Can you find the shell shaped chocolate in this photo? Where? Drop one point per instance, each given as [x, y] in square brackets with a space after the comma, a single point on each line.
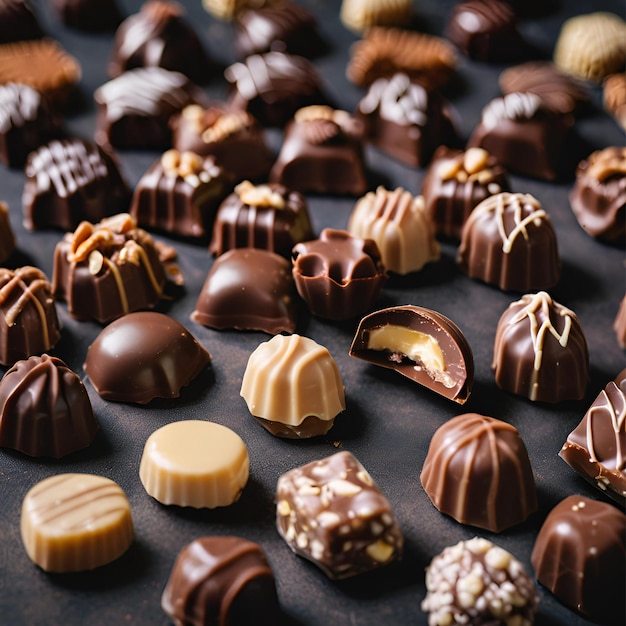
[45, 409]
[540, 350]
[508, 241]
[477, 471]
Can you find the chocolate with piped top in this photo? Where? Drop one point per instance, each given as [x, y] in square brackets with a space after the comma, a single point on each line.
[89, 15]
[540, 350]
[18, 22]
[423, 345]
[477, 471]
[222, 581]
[580, 556]
[332, 513]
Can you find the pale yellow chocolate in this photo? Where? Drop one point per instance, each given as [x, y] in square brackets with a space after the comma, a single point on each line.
[195, 463]
[75, 522]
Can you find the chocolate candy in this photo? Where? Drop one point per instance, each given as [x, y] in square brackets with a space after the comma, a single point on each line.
[228, 9]
[89, 15]
[598, 197]
[300, 369]
[221, 580]
[540, 350]
[180, 194]
[7, 237]
[404, 120]
[619, 324]
[18, 22]
[339, 276]
[269, 217]
[144, 355]
[45, 409]
[248, 289]
[596, 448]
[614, 97]
[71, 180]
[273, 86]
[360, 15]
[332, 513]
[423, 345]
[75, 522]
[477, 471]
[107, 269]
[159, 36]
[399, 224]
[194, 463]
[523, 134]
[234, 138]
[508, 241]
[28, 317]
[477, 582]
[580, 556]
[456, 182]
[321, 153]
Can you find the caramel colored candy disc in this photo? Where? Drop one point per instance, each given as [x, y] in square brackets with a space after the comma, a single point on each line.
[195, 463]
[75, 522]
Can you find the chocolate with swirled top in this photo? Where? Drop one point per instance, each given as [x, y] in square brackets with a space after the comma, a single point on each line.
[18, 22]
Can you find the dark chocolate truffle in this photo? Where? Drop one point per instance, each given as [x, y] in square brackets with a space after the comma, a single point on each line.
[142, 356]
[540, 350]
[45, 409]
[580, 556]
[89, 15]
[28, 317]
[71, 180]
[18, 22]
[508, 241]
[7, 237]
[339, 276]
[248, 289]
[477, 471]
[222, 581]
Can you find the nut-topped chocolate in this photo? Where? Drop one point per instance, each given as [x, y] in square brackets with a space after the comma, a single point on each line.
[540, 350]
[423, 345]
[339, 276]
[332, 513]
[477, 471]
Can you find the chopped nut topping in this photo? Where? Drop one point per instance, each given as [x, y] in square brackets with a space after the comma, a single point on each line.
[226, 125]
[181, 164]
[259, 195]
[96, 261]
[497, 558]
[475, 160]
[283, 508]
[606, 163]
[470, 165]
[343, 488]
[380, 551]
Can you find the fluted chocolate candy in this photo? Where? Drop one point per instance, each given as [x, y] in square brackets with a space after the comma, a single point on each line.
[422, 345]
[223, 581]
[580, 556]
[332, 513]
[540, 350]
[477, 471]
[45, 409]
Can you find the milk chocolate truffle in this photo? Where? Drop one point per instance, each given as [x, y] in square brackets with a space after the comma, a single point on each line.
[456, 182]
[360, 15]
[18, 22]
[614, 97]
[399, 224]
[234, 138]
[144, 355]
[194, 463]
[339, 276]
[45, 409]
[596, 448]
[598, 197]
[423, 345]
[619, 325]
[273, 86]
[75, 522]
[7, 237]
[248, 289]
[508, 241]
[107, 269]
[293, 387]
[580, 556]
[333, 514]
[321, 153]
[222, 581]
[269, 217]
[402, 119]
[89, 15]
[180, 193]
[477, 471]
[71, 180]
[159, 36]
[28, 317]
[477, 582]
[540, 350]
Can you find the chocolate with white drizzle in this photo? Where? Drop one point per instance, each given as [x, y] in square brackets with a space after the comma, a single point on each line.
[540, 350]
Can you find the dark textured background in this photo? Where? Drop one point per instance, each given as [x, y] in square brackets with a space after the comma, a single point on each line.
[389, 421]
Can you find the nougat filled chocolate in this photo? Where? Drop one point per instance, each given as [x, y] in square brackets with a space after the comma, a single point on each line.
[423, 345]
[332, 513]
